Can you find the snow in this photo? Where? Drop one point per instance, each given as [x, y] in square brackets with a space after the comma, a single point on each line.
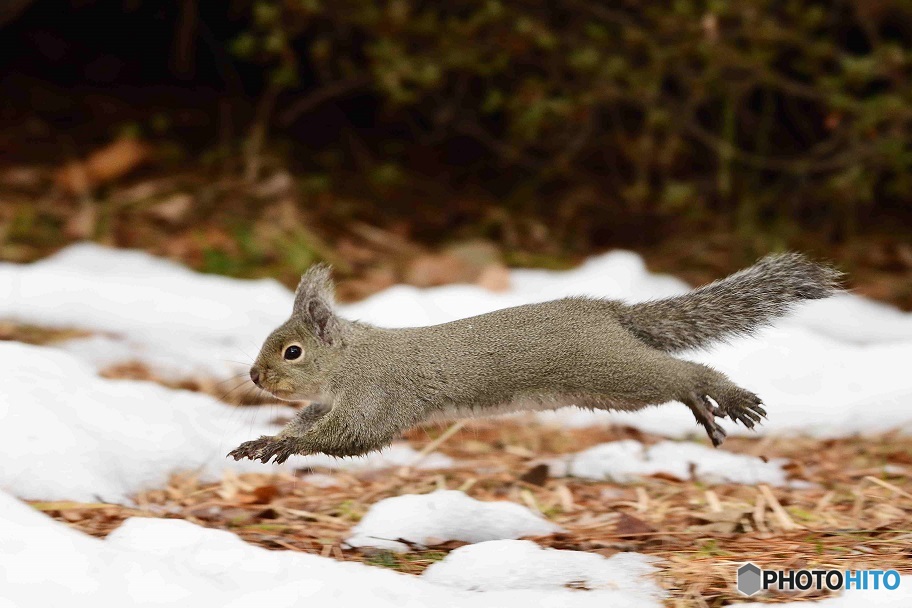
[167, 562]
[428, 519]
[505, 564]
[183, 321]
[68, 434]
[629, 460]
[394, 456]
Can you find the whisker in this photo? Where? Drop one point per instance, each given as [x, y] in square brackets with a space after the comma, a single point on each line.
[229, 379]
[224, 397]
[246, 354]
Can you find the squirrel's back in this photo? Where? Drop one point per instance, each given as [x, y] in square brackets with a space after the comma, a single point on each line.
[736, 305]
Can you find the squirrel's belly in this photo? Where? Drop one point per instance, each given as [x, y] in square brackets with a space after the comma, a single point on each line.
[520, 404]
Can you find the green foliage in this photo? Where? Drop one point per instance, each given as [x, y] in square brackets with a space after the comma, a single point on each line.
[673, 107]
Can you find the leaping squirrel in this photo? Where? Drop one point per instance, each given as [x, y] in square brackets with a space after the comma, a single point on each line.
[370, 384]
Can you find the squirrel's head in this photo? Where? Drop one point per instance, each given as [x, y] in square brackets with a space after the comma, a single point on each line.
[295, 358]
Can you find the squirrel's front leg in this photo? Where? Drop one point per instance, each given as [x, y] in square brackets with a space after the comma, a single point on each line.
[268, 446]
[350, 427]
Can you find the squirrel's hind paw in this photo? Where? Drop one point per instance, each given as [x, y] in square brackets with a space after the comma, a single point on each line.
[736, 403]
[264, 448]
[705, 413]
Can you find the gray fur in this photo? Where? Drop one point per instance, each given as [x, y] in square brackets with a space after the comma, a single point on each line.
[314, 301]
[734, 306]
[372, 383]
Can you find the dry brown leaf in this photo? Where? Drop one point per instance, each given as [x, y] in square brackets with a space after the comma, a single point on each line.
[628, 525]
[728, 514]
[536, 476]
[494, 277]
[173, 209]
[81, 225]
[431, 270]
[715, 528]
[104, 165]
[265, 494]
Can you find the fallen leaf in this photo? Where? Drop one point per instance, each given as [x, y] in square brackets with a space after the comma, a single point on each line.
[274, 186]
[731, 515]
[666, 477]
[537, 475]
[494, 277]
[628, 525]
[173, 209]
[104, 165]
[715, 529]
[432, 270]
[81, 225]
[265, 494]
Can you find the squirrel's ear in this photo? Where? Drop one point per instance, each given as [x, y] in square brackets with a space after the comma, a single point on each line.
[315, 284]
[314, 301]
[323, 321]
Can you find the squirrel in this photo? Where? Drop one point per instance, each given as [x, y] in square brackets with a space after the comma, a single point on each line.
[369, 384]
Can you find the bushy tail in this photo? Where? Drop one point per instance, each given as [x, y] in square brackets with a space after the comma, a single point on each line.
[733, 306]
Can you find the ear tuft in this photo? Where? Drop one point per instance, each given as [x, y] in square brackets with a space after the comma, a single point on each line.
[314, 301]
[315, 284]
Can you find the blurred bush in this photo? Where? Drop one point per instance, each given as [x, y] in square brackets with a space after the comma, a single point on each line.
[767, 108]
[591, 120]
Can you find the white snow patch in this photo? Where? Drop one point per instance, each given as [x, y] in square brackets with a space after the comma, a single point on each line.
[510, 564]
[321, 480]
[629, 460]
[426, 519]
[170, 562]
[67, 434]
[183, 322]
[396, 455]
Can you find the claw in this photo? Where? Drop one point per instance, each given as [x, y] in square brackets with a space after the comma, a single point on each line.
[739, 405]
[265, 448]
[250, 449]
[705, 413]
[745, 409]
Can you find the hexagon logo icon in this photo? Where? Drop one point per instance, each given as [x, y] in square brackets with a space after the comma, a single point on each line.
[749, 579]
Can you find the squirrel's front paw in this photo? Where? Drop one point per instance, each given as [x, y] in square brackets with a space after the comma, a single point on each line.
[251, 449]
[266, 447]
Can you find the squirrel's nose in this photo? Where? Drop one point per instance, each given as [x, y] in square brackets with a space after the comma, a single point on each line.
[255, 375]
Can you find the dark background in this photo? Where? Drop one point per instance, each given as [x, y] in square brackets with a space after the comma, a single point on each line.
[429, 141]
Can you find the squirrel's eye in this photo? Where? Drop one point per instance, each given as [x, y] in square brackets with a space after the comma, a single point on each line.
[293, 352]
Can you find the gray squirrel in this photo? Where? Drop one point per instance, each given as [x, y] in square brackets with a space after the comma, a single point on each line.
[370, 384]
